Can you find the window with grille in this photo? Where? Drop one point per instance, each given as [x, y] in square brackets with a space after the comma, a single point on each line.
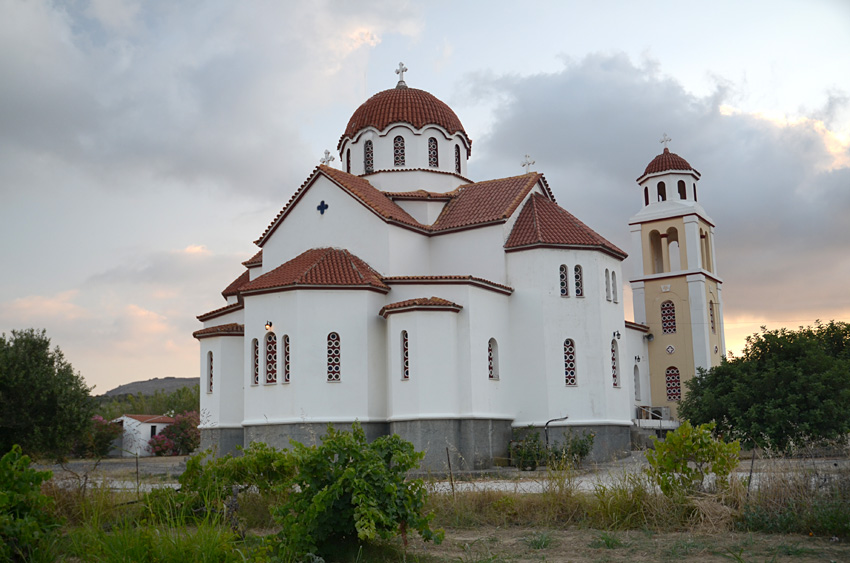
[614, 286]
[607, 285]
[209, 372]
[433, 156]
[405, 355]
[565, 282]
[271, 358]
[579, 281]
[457, 159]
[255, 361]
[368, 157]
[711, 317]
[668, 318]
[570, 362]
[398, 151]
[286, 365]
[615, 367]
[334, 363]
[493, 358]
[674, 384]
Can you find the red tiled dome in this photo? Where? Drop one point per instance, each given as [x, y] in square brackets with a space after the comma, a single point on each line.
[667, 161]
[402, 105]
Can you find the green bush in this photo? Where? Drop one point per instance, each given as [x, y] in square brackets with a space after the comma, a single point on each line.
[681, 462]
[26, 514]
[184, 433]
[527, 453]
[347, 488]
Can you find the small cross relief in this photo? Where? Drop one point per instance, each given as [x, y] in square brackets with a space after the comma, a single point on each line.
[327, 159]
[322, 207]
[665, 288]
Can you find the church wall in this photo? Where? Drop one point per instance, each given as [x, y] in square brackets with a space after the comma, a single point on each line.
[223, 406]
[478, 252]
[408, 254]
[637, 345]
[346, 223]
[234, 317]
[488, 316]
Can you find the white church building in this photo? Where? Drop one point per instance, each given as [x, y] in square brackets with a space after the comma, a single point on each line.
[398, 292]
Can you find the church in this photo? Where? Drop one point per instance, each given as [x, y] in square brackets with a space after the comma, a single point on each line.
[398, 292]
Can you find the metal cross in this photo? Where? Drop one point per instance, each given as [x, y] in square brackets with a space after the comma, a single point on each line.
[400, 71]
[527, 163]
[664, 140]
[328, 158]
[322, 206]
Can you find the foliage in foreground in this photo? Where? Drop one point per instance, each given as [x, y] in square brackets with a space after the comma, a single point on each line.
[26, 515]
[44, 405]
[787, 385]
[349, 488]
[180, 438]
[680, 464]
[528, 452]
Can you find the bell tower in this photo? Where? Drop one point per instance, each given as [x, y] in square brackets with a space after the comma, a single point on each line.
[678, 291]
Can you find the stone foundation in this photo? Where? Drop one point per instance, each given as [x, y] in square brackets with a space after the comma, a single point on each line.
[609, 441]
[472, 443]
[222, 440]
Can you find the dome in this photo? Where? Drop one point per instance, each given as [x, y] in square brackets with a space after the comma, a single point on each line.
[667, 161]
[403, 105]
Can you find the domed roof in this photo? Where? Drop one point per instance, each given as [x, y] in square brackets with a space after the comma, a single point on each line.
[667, 161]
[402, 105]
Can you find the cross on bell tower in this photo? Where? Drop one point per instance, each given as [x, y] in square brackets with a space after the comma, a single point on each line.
[664, 140]
[527, 164]
[400, 72]
[328, 158]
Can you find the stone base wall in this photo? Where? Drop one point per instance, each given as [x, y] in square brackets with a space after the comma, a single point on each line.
[609, 442]
[222, 440]
[308, 433]
[472, 443]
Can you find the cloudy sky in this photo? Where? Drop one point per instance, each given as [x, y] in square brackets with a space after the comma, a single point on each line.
[145, 145]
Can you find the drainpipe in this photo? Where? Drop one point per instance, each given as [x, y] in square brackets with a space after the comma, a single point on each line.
[546, 428]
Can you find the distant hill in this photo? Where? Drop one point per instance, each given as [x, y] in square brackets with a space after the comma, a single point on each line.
[151, 386]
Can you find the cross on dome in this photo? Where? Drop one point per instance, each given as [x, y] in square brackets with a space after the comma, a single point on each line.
[327, 159]
[527, 164]
[664, 140]
[400, 72]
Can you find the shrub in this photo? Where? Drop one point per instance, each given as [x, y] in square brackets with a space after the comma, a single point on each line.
[161, 445]
[681, 463]
[98, 438]
[184, 433]
[348, 488]
[528, 452]
[26, 514]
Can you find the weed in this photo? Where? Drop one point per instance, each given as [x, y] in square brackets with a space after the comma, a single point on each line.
[539, 540]
[606, 540]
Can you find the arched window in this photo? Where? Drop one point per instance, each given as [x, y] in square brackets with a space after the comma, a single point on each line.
[209, 372]
[637, 384]
[255, 361]
[615, 364]
[711, 316]
[368, 157]
[433, 156]
[607, 285]
[656, 256]
[398, 151]
[565, 282]
[286, 363]
[614, 286]
[683, 193]
[674, 384]
[334, 362]
[271, 358]
[493, 358]
[457, 159]
[570, 362]
[579, 281]
[673, 251]
[348, 161]
[405, 356]
[646, 196]
[668, 317]
[662, 192]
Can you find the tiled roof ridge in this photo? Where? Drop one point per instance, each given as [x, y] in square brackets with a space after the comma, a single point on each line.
[521, 195]
[420, 303]
[321, 258]
[220, 311]
[233, 287]
[421, 194]
[288, 203]
[228, 329]
[255, 260]
[667, 162]
[455, 174]
[448, 277]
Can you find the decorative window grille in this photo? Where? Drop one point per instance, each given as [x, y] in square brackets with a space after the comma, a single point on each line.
[333, 357]
[433, 156]
[398, 151]
[614, 286]
[493, 358]
[457, 159]
[607, 285]
[209, 372]
[368, 157]
[615, 371]
[565, 282]
[570, 362]
[405, 356]
[286, 365]
[348, 161]
[255, 361]
[579, 281]
[674, 384]
[271, 358]
[668, 318]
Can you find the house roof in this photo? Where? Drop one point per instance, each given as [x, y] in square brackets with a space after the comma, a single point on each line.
[220, 311]
[544, 223]
[665, 162]
[229, 329]
[151, 418]
[402, 105]
[319, 267]
[420, 304]
[233, 288]
[255, 260]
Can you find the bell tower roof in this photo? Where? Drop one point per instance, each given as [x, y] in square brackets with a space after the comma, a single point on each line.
[668, 162]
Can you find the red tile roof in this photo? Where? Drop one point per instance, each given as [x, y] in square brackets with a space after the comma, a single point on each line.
[485, 202]
[451, 280]
[637, 326]
[667, 161]
[420, 304]
[543, 223]
[402, 105]
[229, 329]
[419, 195]
[403, 170]
[255, 260]
[219, 312]
[149, 418]
[319, 267]
[233, 288]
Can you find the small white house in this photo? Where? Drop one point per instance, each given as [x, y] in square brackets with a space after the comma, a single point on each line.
[138, 429]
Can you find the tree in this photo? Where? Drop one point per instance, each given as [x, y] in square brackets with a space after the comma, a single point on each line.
[44, 405]
[787, 385]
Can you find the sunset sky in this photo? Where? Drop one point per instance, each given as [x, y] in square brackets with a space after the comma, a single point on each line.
[145, 145]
